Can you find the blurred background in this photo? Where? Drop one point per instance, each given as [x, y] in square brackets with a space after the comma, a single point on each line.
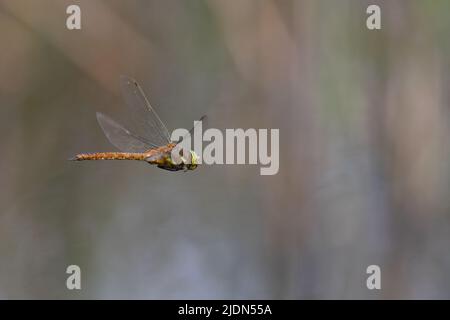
[364, 150]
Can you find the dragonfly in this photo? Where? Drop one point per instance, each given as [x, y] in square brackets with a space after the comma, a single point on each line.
[150, 141]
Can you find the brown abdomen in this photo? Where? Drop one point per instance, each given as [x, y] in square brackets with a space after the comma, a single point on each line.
[109, 156]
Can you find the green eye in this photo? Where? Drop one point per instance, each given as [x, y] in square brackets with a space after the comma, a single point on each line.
[194, 158]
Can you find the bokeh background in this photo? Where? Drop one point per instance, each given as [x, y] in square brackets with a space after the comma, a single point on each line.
[364, 151]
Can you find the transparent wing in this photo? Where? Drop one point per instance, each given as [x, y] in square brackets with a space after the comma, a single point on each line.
[202, 120]
[123, 139]
[147, 123]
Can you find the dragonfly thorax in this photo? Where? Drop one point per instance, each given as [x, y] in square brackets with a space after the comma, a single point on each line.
[189, 162]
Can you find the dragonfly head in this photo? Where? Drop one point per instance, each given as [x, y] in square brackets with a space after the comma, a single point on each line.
[194, 161]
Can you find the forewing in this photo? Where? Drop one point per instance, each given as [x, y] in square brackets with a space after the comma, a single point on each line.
[191, 132]
[147, 123]
[123, 139]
